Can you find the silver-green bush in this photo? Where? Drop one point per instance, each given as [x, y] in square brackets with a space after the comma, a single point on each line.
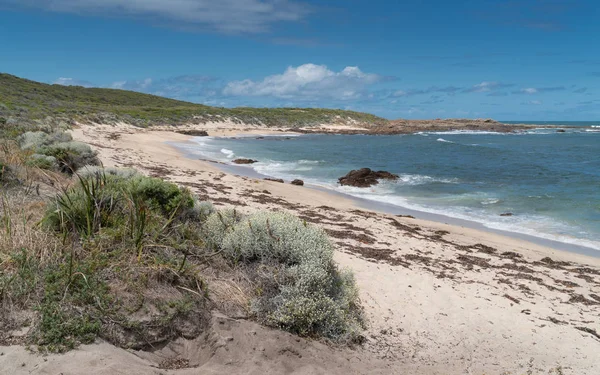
[202, 210]
[302, 289]
[218, 224]
[93, 170]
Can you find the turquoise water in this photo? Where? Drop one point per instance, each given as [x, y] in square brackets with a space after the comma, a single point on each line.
[549, 181]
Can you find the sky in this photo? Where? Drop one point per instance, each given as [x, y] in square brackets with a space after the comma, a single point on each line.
[502, 59]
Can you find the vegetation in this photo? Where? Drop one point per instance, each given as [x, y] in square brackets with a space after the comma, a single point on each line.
[88, 252]
[301, 289]
[137, 260]
[27, 102]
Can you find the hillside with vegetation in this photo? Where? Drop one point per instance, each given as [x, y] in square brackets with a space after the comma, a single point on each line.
[25, 101]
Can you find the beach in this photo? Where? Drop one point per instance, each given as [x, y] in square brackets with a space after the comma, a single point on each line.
[440, 299]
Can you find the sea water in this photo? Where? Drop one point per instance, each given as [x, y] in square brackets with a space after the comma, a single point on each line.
[548, 181]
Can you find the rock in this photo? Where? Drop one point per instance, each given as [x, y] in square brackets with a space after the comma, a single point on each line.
[274, 180]
[365, 177]
[561, 131]
[260, 137]
[298, 182]
[244, 161]
[507, 214]
[194, 133]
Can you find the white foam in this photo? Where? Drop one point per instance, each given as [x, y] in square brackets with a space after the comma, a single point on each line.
[463, 132]
[417, 179]
[532, 225]
[230, 154]
[443, 140]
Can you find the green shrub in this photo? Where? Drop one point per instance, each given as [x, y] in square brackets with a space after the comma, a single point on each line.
[42, 161]
[33, 140]
[71, 156]
[109, 201]
[93, 170]
[301, 288]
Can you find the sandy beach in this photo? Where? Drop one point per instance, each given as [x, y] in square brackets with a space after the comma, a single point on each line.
[440, 299]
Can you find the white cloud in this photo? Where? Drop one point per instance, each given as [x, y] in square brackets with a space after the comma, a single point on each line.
[529, 90]
[307, 81]
[64, 81]
[484, 86]
[229, 16]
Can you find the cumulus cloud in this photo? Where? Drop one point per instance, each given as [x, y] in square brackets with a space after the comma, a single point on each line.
[64, 81]
[308, 81]
[229, 16]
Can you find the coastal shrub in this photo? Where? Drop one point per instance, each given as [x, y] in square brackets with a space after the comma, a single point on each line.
[217, 225]
[71, 156]
[32, 140]
[42, 161]
[38, 139]
[93, 170]
[110, 201]
[202, 210]
[301, 288]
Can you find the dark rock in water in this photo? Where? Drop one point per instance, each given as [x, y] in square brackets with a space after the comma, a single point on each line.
[507, 214]
[260, 137]
[561, 131]
[298, 182]
[274, 179]
[244, 161]
[194, 133]
[365, 177]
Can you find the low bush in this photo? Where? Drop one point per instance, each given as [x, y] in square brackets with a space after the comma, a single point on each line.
[301, 288]
[92, 170]
[42, 161]
[71, 156]
[110, 201]
[68, 156]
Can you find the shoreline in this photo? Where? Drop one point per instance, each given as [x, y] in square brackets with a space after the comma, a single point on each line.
[439, 298]
[389, 208]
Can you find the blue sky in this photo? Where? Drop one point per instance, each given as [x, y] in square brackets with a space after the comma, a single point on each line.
[504, 59]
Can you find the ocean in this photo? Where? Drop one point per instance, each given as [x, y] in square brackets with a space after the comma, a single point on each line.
[548, 181]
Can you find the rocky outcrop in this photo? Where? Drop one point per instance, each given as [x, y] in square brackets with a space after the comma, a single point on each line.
[245, 161]
[194, 133]
[365, 177]
[298, 182]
